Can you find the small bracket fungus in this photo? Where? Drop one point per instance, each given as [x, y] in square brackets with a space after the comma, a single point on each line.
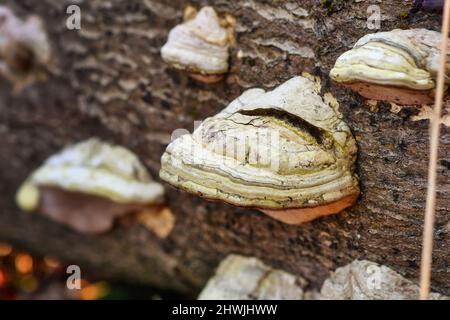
[88, 185]
[285, 152]
[366, 280]
[200, 45]
[24, 49]
[398, 66]
[160, 220]
[247, 278]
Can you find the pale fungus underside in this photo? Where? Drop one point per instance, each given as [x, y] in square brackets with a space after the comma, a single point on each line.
[398, 66]
[199, 46]
[24, 49]
[90, 184]
[285, 152]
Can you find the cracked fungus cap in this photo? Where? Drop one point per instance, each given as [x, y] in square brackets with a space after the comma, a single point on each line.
[399, 66]
[200, 46]
[88, 184]
[285, 152]
[24, 48]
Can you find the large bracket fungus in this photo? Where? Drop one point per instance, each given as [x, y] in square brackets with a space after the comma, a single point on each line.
[89, 184]
[24, 49]
[285, 152]
[200, 45]
[399, 66]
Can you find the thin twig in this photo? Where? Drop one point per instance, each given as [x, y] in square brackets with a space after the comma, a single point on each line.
[427, 246]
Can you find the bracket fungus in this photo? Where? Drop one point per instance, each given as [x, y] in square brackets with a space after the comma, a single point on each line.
[248, 278]
[200, 45]
[367, 280]
[24, 49]
[285, 152]
[90, 184]
[398, 66]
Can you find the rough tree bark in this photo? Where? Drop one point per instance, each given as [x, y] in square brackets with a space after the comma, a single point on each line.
[109, 81]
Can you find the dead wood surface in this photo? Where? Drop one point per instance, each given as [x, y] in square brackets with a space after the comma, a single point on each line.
[109, 81]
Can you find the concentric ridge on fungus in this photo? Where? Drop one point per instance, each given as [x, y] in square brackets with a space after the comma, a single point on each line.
[285, 151]
[200, 46]
[398, 66]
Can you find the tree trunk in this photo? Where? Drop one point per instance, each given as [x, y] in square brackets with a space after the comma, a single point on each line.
[109, 81]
